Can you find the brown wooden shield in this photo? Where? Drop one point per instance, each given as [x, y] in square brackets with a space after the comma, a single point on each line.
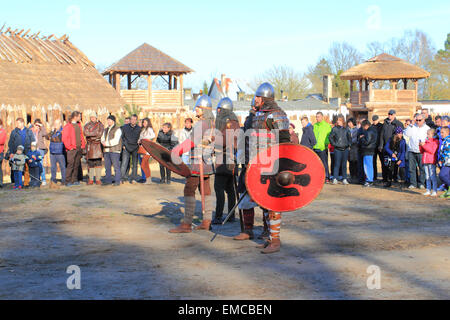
[285, 177]
[164, 157]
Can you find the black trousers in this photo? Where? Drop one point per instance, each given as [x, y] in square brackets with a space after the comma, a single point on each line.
[377, 155]
[73, 165]
[165, 173]
[224, 184]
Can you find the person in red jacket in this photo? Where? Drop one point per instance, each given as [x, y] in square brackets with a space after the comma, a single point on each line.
[72, 137]
[2, 149]
[429, 150]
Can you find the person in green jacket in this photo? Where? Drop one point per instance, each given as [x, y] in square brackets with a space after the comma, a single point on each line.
[322, 130]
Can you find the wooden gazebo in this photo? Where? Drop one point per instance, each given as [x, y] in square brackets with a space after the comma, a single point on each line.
[369, 101]
[147, 61]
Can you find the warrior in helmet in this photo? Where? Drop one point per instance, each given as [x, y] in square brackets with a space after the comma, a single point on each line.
[227, 124]
[199, 145]
[270, 126]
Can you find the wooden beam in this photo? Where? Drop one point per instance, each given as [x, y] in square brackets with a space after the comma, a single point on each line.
[181, 90]
[149, 89]
[129, 81]
[117, 82]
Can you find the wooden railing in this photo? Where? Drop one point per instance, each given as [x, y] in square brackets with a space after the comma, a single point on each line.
[377, 95]
[158, 97]
[136, 97]
[166, 98]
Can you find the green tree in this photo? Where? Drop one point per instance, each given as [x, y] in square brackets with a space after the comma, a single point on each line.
[315, 74]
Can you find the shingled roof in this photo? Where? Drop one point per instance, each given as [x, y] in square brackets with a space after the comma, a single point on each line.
[384, 67]
[48, 70]
[148, 59]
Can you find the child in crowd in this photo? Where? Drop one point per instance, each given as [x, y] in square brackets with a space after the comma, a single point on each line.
[395, 150]
[17, 166]
[429, 150]
[444, 160]
[35, 165]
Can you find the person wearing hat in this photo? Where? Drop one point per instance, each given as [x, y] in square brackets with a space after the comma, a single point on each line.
[268, 118]
[227, 123]
[294, 135]
[378, 154]
[17, 162]
[93, 131]
[200, 145]
[387, 131]
[112, 142]
[35, 165]
[395, 160]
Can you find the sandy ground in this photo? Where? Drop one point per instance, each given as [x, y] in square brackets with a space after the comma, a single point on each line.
[118, 237]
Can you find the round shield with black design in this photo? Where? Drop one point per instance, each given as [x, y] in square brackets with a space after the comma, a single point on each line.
[164, 157]
[285, 177]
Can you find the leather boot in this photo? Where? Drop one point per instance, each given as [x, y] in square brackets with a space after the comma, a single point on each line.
[246, 235]
[186, 223]
[205, 225]
[207, 217]
[274, 246]
[182, 228]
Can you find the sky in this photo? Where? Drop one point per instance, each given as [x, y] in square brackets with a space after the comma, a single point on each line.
[238, 38]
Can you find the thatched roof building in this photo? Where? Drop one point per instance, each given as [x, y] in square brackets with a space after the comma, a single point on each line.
[44, 71]
[366, 99]
[385, 67]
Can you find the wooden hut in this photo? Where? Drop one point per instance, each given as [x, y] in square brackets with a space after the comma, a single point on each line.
[40, 71]
[366, 100]
[147, 61]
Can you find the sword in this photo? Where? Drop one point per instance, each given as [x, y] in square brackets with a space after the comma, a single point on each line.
[241, 219]
[230, 214]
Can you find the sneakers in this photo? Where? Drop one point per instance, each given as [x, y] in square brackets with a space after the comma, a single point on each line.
[44, 183]
[421, 187]
[411, 187]
[368, 185]
[427, 193]
[434, 194]
[335, 182]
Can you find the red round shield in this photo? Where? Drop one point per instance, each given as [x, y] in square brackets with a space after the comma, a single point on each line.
[285, 177]
[164, 157]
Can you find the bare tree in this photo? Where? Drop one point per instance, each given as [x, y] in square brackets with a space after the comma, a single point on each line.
[286, 79]
[343, 56]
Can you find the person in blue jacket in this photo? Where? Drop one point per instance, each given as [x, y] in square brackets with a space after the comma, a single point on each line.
[395, 150]
[34, 164]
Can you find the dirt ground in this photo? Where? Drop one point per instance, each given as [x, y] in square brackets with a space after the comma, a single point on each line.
[118, 237]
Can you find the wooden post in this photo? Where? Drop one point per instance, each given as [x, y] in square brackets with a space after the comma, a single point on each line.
[170, 82]
[149, 89]
[181, 90]
[416, 85]
[371, 93]
[405, 84]
[129, 81]
[117, 81]
[360, 92]
[394, 90]
[175, 83]
[110, 79]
